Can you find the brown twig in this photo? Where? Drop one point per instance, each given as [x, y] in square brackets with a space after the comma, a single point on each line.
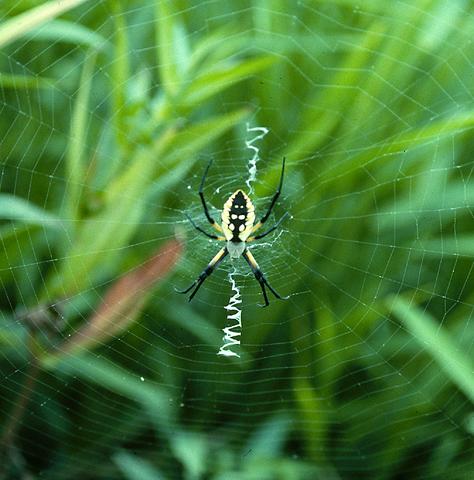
[124, 299]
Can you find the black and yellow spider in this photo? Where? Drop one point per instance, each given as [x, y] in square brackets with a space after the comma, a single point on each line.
[238, 217]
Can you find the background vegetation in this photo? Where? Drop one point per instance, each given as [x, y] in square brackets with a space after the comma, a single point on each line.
[110, 110]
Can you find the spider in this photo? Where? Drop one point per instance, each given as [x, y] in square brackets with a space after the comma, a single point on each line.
[238, 217]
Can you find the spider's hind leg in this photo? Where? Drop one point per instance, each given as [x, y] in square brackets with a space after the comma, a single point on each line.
[260, 277]
[211, 266]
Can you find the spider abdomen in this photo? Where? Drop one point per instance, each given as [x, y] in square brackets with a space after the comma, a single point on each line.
[235, 249]
[238, 216]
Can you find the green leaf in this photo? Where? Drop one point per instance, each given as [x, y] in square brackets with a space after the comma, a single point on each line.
[426, 134]
[443, 18]
[12, 333]
[135, 468]
[172, 45]
[20, 25]
[120, 73]
[194, 138]
[99, 239]
[438, 343]
[363, 5]
[454, 200]
[459, 246]
[20, 210]
[213, 82]
[15, 245]
[24, 81]
[218, 46]
[192, 450]
[105, 374]
[312, 412]
[318, 118]
[268, 440]
[75, 161]
[67, 32]
[198, 326]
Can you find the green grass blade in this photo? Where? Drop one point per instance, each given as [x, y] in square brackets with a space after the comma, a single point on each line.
[20, 210]
[218, 45]
[459, 246]
[198, 136]
[313, 412]
[120, 74]
[318, 119]
[268, 440]
[438, 343]
[99, 240]
[67, 32]
[135, 468]
[211, 83]
[129, 425]
[24, 81]
[454, 200]
[107, 375]
[75, 161]
[429, 133]
[20, 25]
[192, 450]
[15, 242]
[172, 45]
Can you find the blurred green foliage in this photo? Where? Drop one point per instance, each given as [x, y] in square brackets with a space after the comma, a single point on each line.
[108, 110]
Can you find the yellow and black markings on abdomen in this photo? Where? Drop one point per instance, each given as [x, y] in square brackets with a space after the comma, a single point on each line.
[238, 216]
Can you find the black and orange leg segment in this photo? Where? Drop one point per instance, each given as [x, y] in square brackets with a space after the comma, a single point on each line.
[270, 230]
[260, 277]
[211, 266]
[199, 229]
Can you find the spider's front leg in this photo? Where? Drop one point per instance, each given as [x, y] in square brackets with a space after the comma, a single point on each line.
[199, 229]
[272, 204]
[270, 230]
[205, 273]
[214, 224]
[261, 278]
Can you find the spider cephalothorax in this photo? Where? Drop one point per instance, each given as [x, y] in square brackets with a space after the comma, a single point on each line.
[238, 217]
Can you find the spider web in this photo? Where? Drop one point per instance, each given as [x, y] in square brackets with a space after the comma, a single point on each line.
[366, 370]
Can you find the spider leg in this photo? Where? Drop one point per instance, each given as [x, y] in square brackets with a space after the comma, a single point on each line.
[203, 200]
[261, 277]
[274, 199]
[199, 229]
[221, 254]
[270, 230]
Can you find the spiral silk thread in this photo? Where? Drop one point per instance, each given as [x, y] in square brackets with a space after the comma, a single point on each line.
[261, 132]
[234, 314]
